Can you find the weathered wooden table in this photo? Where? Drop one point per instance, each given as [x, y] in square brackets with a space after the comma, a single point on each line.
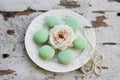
[16, 15]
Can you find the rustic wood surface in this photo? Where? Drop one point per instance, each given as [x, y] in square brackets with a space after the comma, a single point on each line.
[15, 17]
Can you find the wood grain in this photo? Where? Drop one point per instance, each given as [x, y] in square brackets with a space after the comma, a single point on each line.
[16, 15]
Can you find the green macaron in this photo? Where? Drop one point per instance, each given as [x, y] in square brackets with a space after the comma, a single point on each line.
[73, 22]
[65, 56]
[41, 36]
[80, 43]
[46, 52]
[53, 20]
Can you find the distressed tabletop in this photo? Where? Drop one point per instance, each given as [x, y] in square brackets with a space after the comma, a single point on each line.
[15, 17]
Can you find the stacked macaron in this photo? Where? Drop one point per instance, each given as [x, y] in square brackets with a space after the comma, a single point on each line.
[47, 52]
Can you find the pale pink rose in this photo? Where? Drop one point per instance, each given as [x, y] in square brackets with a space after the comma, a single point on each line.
[61, 37]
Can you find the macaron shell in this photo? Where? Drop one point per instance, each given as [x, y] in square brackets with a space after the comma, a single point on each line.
[46, 52]
[80, 43]
[73, 22]
[39, 38]
[53, 20]
[65, 56]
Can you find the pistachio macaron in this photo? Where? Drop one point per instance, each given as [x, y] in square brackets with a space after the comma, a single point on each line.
[65, 56]
[53, 20]
[46, 52]
[80, 43]
[41, 36]
[73, 22]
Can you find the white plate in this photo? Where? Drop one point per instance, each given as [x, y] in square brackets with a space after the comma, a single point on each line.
[53, 65]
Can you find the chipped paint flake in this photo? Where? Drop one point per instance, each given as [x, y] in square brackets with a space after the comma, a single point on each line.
[99, 22]
[12, 14]
[101, 12]
[10, 32]
[109, 43]
[6, 72]
[69, 3]
[114, 0]
[104, 67]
